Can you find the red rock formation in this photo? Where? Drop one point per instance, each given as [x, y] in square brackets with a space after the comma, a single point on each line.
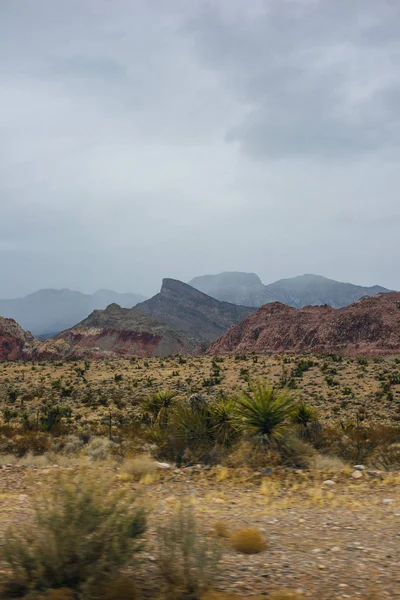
[370, 326]
[15, 343]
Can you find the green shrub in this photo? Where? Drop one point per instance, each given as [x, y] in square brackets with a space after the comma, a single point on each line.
[187, 559]
[82, 530]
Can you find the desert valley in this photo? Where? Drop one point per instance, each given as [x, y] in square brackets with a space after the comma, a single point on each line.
[272, 430]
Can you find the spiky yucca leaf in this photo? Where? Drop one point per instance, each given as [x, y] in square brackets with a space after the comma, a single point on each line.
[264, 411]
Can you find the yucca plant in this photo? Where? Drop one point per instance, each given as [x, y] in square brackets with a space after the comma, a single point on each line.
[306, 420]
[224, 424]
[159, 406]
[304, 414]
[264, 411]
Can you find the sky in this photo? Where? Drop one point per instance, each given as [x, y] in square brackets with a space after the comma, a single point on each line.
[142, 139]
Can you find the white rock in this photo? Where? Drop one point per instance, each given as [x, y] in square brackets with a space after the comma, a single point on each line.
[328, 482]
[162, 465]
[359, 467]
[356, 474]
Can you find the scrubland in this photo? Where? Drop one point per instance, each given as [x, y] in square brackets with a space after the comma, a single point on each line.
[201, 478]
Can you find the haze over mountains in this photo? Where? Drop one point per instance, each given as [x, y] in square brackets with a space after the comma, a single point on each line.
[202, 311]
[305, 290]
[47, 312]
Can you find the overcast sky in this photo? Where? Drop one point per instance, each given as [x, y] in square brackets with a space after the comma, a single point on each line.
[142, 139]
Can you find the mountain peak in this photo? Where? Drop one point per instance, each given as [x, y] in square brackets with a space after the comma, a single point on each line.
[173, 285]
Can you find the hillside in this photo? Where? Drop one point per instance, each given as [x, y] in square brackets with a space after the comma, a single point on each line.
[187, 310]
[305, 290]
[116, 332]
[370, 326]
[47, 312]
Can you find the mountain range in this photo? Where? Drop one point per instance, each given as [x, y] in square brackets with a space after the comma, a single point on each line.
[177, 319]
[47, 312]
[305, 290]
[368, 327]
[181, 319]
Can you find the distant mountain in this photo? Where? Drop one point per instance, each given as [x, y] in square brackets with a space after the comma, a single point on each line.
[368, 327]
[305, 290]
[47, 312]
[234, 287]
[192, 312]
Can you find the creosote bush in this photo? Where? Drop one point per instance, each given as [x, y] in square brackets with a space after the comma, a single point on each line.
[83, 530]
[187, 558]
[248, 541]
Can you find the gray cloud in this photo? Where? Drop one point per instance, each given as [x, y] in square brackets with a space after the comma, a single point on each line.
[150, 138]
[319, 78]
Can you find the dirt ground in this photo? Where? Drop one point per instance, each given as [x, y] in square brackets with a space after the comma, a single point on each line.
[331, 541]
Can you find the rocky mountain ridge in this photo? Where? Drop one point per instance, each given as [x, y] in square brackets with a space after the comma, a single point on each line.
[368, 327]
[188, 310]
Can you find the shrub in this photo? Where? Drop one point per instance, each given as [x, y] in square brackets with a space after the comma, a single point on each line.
[264, 413]
[82, 530]
[140, 465]
[99, 448]
[188, 561]
[387, 458]
[222, 530]
[248, 541]
[294, 452]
